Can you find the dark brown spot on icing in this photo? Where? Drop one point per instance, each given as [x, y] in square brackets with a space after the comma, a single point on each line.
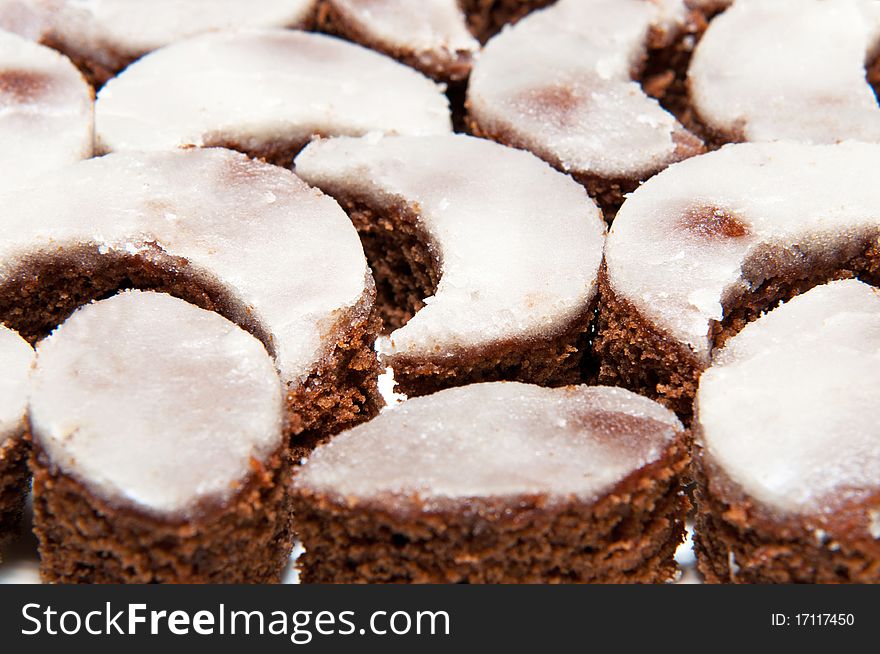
[23, 86]
[557, 103]
[712, 223]
[621, 430]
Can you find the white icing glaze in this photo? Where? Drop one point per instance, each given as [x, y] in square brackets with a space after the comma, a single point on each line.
[788, 408]
[107, 29]
[150, 400]
[16, 357]
[288, 255]
[778, 204]
[263, 87]
[495, 440]
[559, 83]
[789, 70]
[46, 111]
[433, 31]
[519, 243]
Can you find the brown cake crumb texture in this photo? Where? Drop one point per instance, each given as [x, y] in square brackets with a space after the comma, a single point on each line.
[739, 541]
[628, 536]
[637, 355]
[14, 477]
[487, 17]
[87, 539]
[44, 291]
[407, 270]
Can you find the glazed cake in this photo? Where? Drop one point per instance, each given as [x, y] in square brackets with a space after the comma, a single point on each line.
[498, 483]
[46, 111]
[561, 83]
[243, 238]
[265, 93]
[104, 36]
[789, 490]
[485, 257]
[16, 357]
[709, 244]
[788, 70]
[431, 36]
[158, 448]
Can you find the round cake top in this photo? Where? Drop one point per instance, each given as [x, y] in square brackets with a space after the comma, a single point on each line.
[258, 88]
[106, 29]
[46, 111]
[501, 440]
[789, 70]
[519, 243]
[809, 373]
[285, 258]
[434, 32]
[714, 227]
[16, 357]
[150, 400]
[560, 83]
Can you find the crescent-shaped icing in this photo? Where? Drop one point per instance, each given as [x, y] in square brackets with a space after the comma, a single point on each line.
[431, 35]
[248, 238]
[714, 228]
[157, 403]
[788, 409]
[560, 83]
[518, 244]
[263, 91]
[789, 70]
[46, 111]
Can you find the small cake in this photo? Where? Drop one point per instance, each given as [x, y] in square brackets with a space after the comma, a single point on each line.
[485, 257]
[711, 243]
[46, 111]
[16, 357]
[561, 84]
[243, 238]
[498, 483]
[788, 70]
[431, 36]
[789, 457]
[265, 93]
[487, 17]
[104, 36]
[158, 448]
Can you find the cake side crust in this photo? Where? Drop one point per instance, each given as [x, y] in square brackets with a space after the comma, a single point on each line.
[627, 536]
[84, 538]
[14, 477]
[737, 540]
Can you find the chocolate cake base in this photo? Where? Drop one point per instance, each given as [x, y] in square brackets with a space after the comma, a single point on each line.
[14, 478]
[406, 272]
[637, 355]
[487, 17]
[86, 539]
[628, 536]
[340, 393]
[738, 541]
